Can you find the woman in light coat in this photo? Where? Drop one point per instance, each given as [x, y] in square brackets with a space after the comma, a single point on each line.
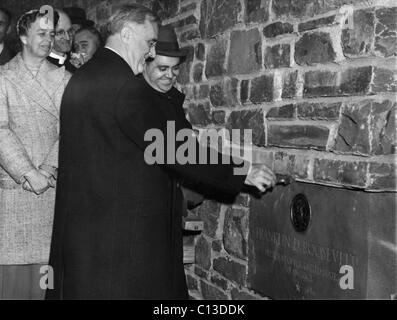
[31, 89]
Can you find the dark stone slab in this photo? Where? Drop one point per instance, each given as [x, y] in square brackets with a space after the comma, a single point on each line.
[248, 120]
[277, 28]
[358, 40]
[257, 10]
[245, 45]
[218, 16]
[347, 227]
[298, 136]
[314, 24]
[277, 56]
[386, 31]
[314, 48]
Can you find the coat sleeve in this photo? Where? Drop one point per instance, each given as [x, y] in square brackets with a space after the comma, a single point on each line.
[13, 156]
[50, 163]
[135, 118]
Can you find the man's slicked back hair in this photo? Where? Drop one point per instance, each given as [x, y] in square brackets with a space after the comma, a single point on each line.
[128, 13]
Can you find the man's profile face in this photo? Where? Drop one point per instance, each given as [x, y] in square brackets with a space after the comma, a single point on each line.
[63, 34]
[87, 43]
[161, 73]
[141, 44]
[4, 26]
[38, 39]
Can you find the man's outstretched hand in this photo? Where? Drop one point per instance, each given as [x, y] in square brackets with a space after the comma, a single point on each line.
[261, 177]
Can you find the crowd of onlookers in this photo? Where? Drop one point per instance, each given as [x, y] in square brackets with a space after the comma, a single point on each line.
[75, 39]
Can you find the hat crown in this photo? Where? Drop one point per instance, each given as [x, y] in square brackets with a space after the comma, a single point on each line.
[167, 34]
[167, 43]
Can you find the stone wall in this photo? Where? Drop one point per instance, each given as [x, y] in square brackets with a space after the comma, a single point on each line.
[315, 81]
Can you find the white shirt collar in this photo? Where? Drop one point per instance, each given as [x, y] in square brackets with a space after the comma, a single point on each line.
[1, 47]
[61, 59]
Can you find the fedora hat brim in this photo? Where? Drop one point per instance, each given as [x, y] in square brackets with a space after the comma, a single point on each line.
[180, 53]
[83, 22]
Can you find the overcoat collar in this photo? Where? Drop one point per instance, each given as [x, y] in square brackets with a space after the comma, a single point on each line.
[40, 89]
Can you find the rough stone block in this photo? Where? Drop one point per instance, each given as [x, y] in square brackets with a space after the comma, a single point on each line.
[219, 282]
[184, 70]
[283, 112]
[262, 89]
[340, 172]
[200, 51]
[198, 72]
[320, 83]
[199, 114]
[203, 253]
[358, 40]
[284, 163]
[218, 117]
[319, 111]
[386, 31]
[189, 35]
[314, 24]
[314, 48]
[235, 233]
[298, 136]
[382, 176]
[383, 128]
[277, 56]
[215, 65]
[308, 8]
[218, 16]
[356, 80]
[257, 10]
[249, 120]
[244, 91]
[353, 134]
[245, 45]
[209, 212]
[224, 93]
[385, 80]
[165, 9]
[230, 269]
[277, 28]
[289, 85]
[212, 293]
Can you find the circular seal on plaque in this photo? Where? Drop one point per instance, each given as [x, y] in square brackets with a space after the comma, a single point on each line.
[300, 212]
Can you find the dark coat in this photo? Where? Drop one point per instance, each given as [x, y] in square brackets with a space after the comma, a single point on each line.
[6, 55]
[117, 224]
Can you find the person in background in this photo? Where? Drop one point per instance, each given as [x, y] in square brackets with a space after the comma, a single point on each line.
[78, 17]
[86, 42]
[6, 54]
[60, 53]
[31, 89]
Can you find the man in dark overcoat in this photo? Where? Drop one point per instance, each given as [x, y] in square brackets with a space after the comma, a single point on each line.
[115, 233]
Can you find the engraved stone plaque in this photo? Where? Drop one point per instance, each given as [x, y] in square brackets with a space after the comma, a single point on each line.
[341, 244]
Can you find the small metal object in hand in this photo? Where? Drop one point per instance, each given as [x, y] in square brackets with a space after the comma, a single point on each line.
[283, 179]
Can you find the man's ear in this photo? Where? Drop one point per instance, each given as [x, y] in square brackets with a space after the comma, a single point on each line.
[126, 34]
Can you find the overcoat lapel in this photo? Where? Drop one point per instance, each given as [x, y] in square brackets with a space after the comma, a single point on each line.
[50, 79]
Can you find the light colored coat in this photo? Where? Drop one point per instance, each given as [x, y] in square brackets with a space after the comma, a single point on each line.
[29, 132]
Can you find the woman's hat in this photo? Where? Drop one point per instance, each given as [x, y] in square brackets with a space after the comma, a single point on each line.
[167, 43]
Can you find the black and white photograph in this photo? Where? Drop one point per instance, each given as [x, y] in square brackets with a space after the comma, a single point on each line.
[205, 155]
